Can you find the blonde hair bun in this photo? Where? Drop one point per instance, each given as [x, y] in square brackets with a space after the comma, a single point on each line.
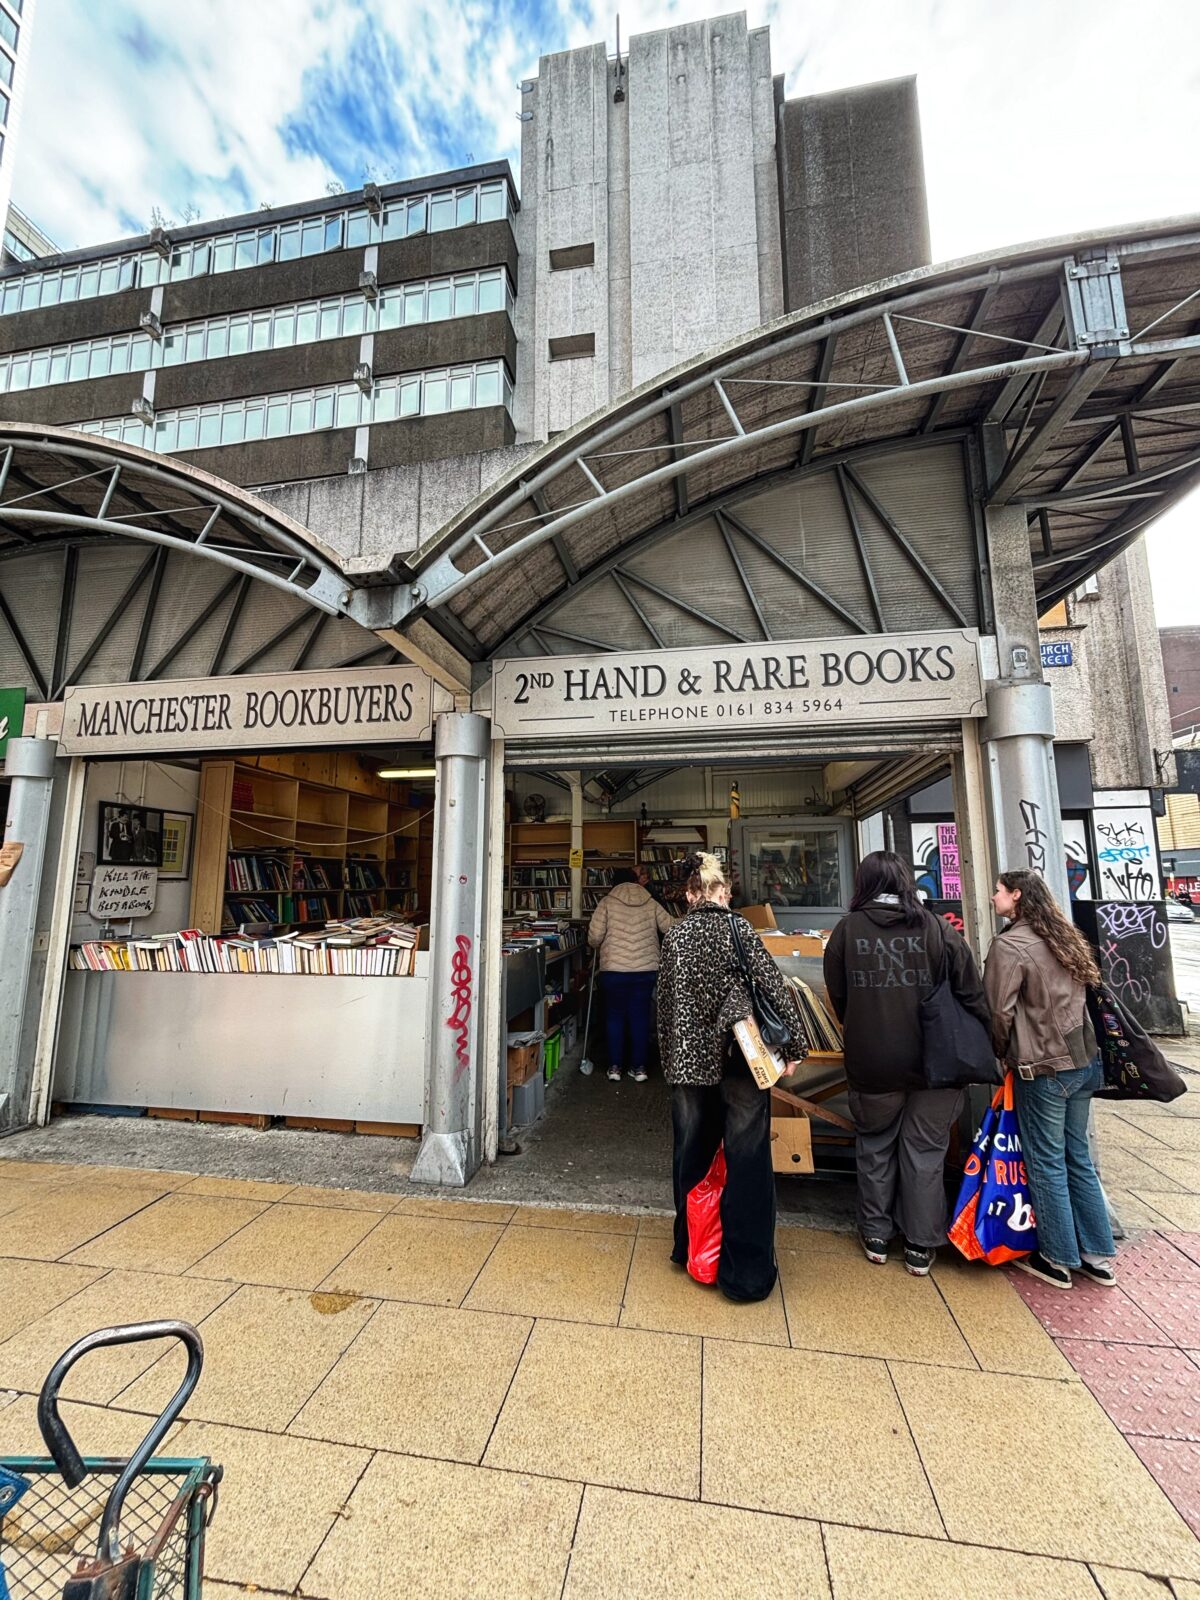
[705, 874]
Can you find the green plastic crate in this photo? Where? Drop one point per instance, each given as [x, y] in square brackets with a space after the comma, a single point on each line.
[552, 1053]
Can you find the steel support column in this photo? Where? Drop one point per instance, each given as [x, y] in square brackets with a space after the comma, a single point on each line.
[452, 1147]
[30, 763]
[1018, 737]
[976, 862]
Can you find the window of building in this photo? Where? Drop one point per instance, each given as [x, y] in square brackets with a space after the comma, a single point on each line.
[8, 29]
[411, 394]
[338, 316]
[336, 230]
[3, 110]
[6, 69]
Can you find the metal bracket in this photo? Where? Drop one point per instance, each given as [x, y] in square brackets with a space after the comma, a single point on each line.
[1095, 305]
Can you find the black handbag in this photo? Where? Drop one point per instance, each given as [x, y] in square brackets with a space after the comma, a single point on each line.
[1134, 1067]
[957, 1047]
[776, 1033]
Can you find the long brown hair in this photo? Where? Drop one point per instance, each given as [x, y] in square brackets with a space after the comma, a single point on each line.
[1038, 907]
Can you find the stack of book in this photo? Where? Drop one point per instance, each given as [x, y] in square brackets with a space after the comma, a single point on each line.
[556, 934]
[246, 872]
[376, 946]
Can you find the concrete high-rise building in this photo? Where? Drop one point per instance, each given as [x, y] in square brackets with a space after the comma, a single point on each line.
[16, 29]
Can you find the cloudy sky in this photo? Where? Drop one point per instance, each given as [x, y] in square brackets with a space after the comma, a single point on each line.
[1039, 117]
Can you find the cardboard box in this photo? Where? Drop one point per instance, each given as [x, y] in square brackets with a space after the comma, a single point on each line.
[524, 1060]
[766, 1068]
[759, 916]
[791, 1139]
[781, 943]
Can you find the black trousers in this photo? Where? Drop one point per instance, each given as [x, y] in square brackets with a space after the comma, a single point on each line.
[737, 1111]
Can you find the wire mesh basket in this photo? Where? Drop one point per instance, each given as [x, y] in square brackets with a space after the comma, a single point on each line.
[52, 1529]
[105, 1529]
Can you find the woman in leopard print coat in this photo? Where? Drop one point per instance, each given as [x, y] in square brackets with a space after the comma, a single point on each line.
[701, 994]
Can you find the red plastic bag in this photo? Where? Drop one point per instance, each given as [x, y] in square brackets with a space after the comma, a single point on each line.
[704, 1222]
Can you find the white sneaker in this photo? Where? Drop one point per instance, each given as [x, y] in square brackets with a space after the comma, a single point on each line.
[639, 1074]
[614, 1074]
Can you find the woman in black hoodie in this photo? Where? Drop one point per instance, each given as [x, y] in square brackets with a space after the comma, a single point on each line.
[881, 961]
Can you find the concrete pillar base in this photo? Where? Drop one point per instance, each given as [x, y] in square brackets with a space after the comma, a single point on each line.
[444, 1158]
[1018, 737]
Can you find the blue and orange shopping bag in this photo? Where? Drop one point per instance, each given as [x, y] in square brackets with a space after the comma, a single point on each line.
[993, 1215]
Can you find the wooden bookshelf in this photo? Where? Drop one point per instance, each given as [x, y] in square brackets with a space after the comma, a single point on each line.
[295, 839]
[664, 862]
[537, 863]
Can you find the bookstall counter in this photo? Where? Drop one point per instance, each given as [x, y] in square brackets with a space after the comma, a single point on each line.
[245, 1042]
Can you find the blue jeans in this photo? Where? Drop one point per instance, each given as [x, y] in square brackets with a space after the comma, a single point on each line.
[627, 997]
[1067, 1198]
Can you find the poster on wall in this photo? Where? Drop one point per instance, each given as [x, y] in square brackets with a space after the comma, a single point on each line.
[121, 892]
[177, 830]
[129, 834]
[1126, 854]
[1079, 868]
[927, 867]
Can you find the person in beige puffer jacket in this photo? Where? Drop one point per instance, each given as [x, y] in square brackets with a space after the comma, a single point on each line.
[625, 929]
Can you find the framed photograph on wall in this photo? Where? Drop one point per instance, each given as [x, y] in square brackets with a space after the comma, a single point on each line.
[129, 835]
[177, 830]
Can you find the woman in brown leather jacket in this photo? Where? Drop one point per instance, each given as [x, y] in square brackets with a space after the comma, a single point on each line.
[1035, 977]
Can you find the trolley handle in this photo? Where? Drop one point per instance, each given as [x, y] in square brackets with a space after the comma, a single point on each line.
[62, 1447]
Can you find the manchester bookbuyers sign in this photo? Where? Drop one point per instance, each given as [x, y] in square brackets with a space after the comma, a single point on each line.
[825, 683]
[374, 705]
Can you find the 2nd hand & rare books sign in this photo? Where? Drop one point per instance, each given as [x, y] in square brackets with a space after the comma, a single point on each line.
[845, 682]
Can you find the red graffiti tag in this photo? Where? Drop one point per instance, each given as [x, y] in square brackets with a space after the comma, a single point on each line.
[460, 993]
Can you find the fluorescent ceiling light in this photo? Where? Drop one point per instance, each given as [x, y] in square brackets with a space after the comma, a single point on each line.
[407, 772]
[671, 835]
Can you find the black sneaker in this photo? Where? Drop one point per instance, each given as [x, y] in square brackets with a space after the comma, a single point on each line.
[1101, 1274]
[917, 1261]
[875, 1250]
[1037, 1266]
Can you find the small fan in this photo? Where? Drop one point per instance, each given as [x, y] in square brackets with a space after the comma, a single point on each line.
[535, 807]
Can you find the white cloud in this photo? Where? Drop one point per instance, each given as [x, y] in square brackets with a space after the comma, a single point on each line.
[1037, 119]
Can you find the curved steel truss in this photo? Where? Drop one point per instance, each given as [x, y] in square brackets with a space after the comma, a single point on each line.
[1072, 366]
[158, 570]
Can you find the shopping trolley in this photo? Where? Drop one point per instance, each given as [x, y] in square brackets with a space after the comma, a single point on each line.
[102, 1528]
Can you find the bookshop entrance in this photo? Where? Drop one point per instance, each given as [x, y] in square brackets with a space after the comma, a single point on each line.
[790, 816]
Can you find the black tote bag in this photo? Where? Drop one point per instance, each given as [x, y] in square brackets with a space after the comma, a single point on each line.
[957, 1047]
[1134, 1067]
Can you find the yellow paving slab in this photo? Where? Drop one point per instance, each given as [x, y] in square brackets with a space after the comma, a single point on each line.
[28, 1289]
[641, 1547]
[1183, 1171]
[431, 1530]
[1185, 1589]
[661, 1296]
[1135, 1213]
[1117, 1585]
[136, 1177]
[576, 1221]
[424, 1380]
[290, 1247]
[64, 1219]
[551, 1272]
[1061, 1481]
[238, 1188]
[97, 1431]
[656, 1228]
[1004, 1335]
[845, 1305]
[279, 1499]
[1180, 1210]
[889, 1566]
[1181, 1134]
[609, 1405]
[427, 1259]
[804, 1241]
[1121, 1169]
[265, 1352]
[118, 1297]
[418, 1205]
[350, 1199]
[169, 1236]
[38, 1169]
[812, 1435]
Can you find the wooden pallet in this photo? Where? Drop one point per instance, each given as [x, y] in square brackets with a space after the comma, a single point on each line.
[390, 1130]
[173, 1113]
[236, 1119]
[320, 1124]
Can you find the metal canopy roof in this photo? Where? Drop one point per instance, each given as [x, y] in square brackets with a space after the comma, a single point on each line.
[1081, 352]
[64, 495]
